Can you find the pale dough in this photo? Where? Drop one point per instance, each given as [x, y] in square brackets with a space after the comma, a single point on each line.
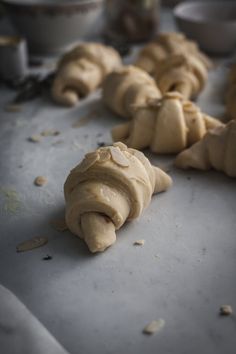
[167, 125]
[82, 70]
[127, 87]
[176, 63]
[110, 186]
[216, 150]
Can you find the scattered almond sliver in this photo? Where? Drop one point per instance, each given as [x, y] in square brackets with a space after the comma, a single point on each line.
[40, 181]
[154, 327]
[139, 243]
[35, 138]
[31, 244]
[226, 310]
[50, 132]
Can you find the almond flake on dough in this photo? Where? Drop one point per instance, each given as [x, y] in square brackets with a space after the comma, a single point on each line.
[118, 157]
[88, 161]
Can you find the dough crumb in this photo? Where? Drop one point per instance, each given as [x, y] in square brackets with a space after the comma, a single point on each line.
[154, 327]
[226, 310]
[35, 138]
[31, 244]
[40, 181]
[50, 132]
[59, 225]
[139, 243]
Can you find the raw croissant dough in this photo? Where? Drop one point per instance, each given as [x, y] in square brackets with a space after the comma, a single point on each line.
[216, 150]
[167, 125]
[184, 74]
[231, 93]
[127, 87]
[111, 185]
[176, 63]
[82, 70]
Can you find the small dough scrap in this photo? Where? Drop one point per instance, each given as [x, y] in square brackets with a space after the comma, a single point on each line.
[139, 243]
[226, 310]
[104, 193]
[216, 150]
[118, 157]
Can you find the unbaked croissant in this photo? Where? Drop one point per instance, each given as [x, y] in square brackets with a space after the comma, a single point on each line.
[164, 46]
[128, 87]
[231, 93]
[82, 70]
[184, 74]
[216, 150]
[110, 186]
[167, 125]
[176, 63]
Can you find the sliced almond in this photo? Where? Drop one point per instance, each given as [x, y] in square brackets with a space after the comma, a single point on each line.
[139, 243]
[120, 145]
[154, 327]
[226, 310]
[88, 161]
[40, 181]
[118, 157]
[31, 244]
[50, 132]
[35, 138]
[104, 155]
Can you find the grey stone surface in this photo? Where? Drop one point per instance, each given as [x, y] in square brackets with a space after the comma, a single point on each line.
[101, 303]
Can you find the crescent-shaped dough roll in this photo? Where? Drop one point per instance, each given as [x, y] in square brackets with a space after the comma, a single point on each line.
[110, 186]
[164, 46]
[216, 150]
[176, 63]
[186, 75]
[128, 87]
[82, 70]
[231, 93]
[166, 126]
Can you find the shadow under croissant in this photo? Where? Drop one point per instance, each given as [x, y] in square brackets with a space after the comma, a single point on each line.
[66, 244]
